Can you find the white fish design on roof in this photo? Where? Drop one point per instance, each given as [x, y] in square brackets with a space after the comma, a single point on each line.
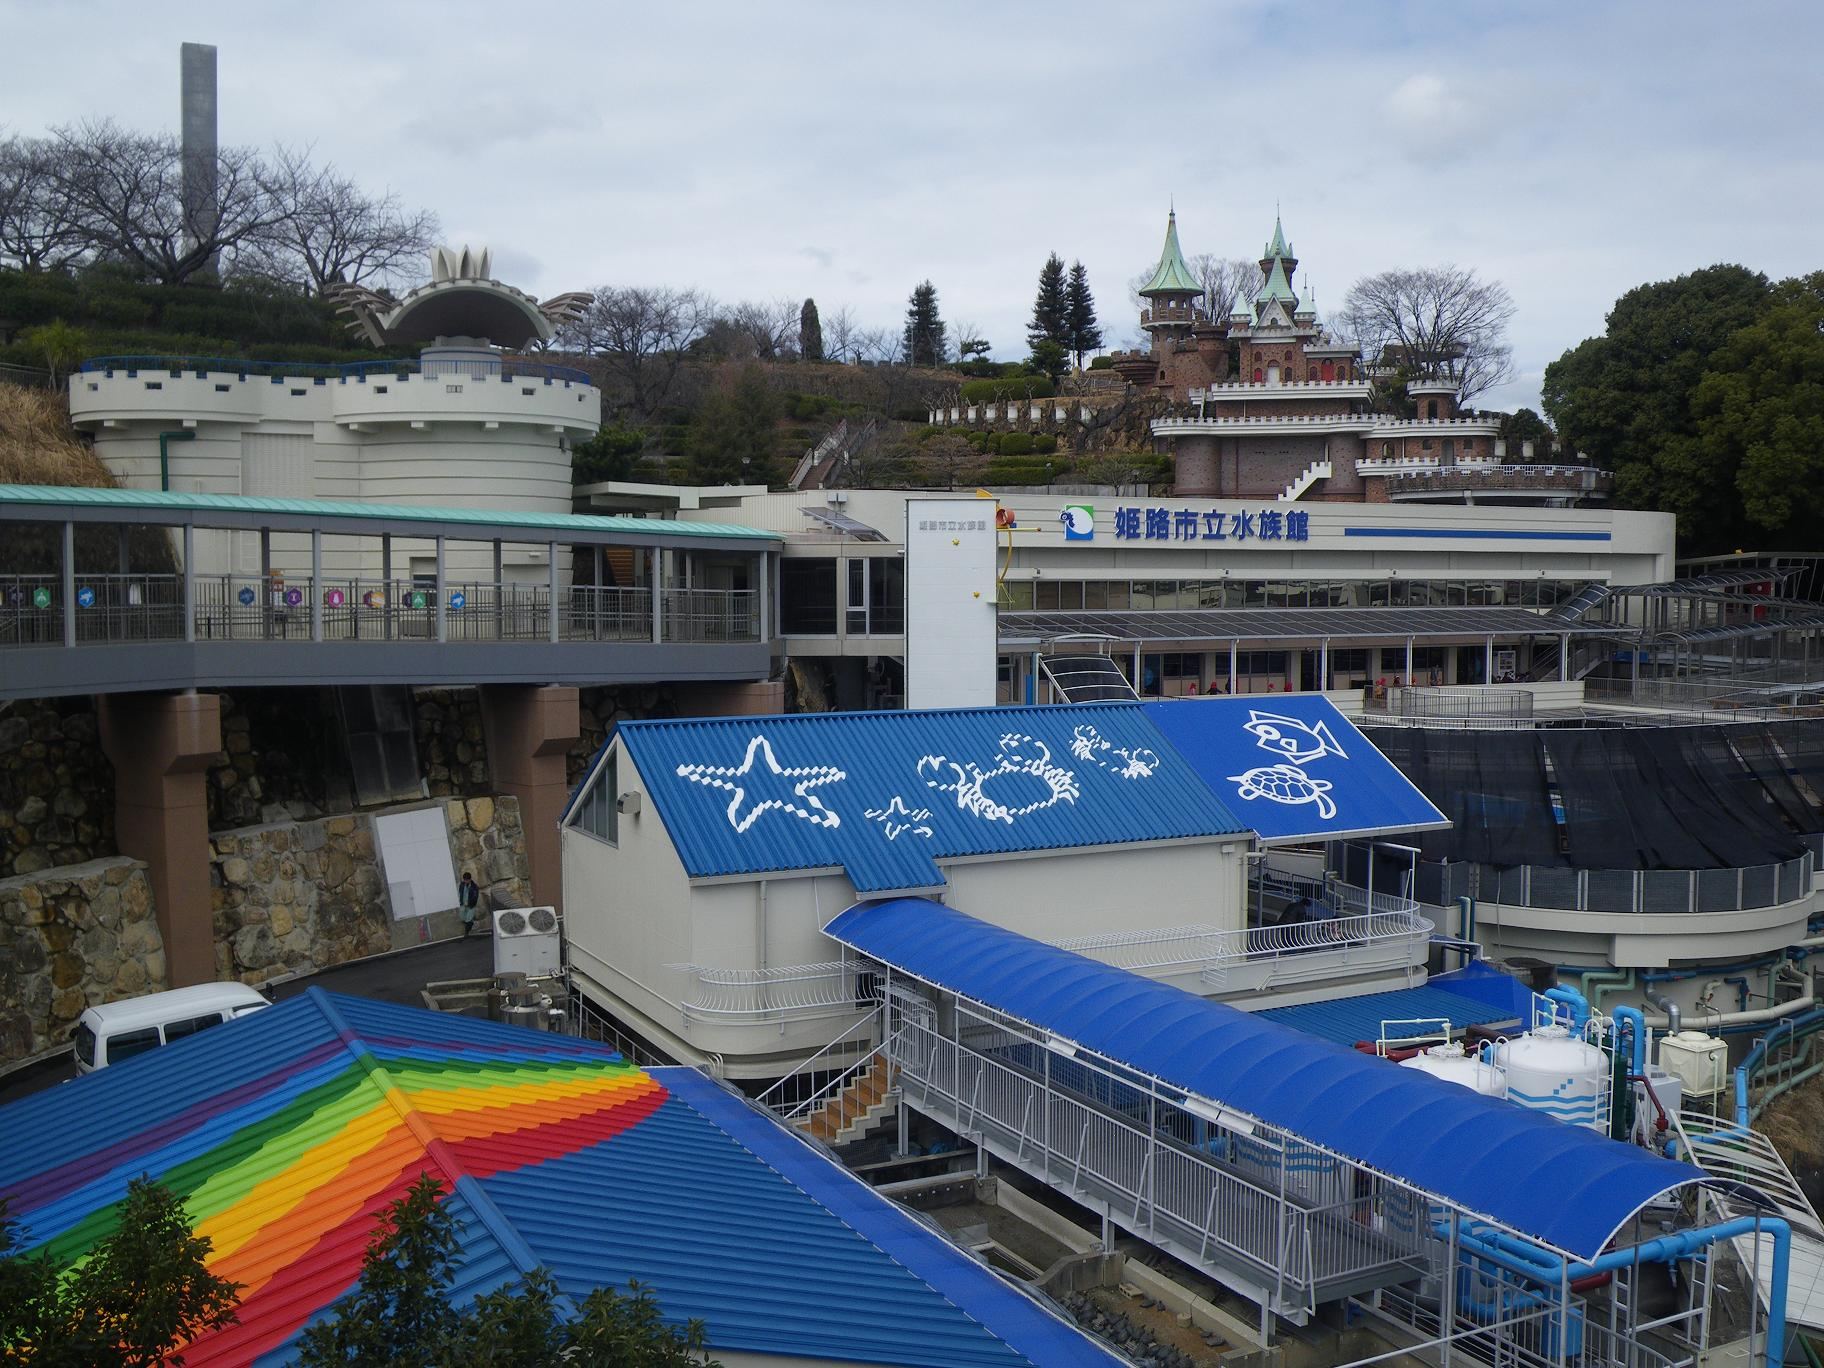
[1297, 741]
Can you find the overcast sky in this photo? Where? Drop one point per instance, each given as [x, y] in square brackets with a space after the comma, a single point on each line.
[849, 150]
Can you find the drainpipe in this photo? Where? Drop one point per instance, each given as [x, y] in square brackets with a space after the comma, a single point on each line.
[164, 454]
[1669, 1007]
[1599, 983]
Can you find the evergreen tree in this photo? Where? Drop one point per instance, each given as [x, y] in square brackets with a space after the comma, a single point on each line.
[810, 332]
[1050, 310]
[924, 340]
[730, 440]
[1080, 314]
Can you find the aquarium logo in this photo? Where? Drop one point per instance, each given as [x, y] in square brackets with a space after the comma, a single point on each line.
[1079, 522]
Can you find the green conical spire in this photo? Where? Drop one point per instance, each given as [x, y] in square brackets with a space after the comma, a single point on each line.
[1172, 276]
[1277, 248]
[1276, 286]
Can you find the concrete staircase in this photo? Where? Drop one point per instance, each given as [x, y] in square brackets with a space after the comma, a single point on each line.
[1310, 475]
[861, 1104]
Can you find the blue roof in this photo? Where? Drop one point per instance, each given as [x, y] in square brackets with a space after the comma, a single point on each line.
[1293, 768]
[884, 795]
[1347, 1020]
[285, 1131]
[1563, 1185]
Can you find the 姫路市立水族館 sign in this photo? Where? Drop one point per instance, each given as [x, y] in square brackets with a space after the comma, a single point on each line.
[1188, 524]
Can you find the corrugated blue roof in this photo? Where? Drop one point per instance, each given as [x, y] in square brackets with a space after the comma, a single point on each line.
[778, 1249]
[1347, 1020]
[285, 1131]
[883, 795]
[1293, 768]
[1563, 1185]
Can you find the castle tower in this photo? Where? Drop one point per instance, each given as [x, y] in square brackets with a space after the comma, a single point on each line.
[1172, 293]
[1276, 302]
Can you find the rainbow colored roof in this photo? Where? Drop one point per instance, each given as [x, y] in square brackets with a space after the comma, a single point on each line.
[286, 1131]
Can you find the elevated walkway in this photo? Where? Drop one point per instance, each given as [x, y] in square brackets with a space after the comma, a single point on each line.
[1291, 1170]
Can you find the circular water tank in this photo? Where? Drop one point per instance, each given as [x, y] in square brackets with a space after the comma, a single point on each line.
[1452, 1064]
[1553, 1071]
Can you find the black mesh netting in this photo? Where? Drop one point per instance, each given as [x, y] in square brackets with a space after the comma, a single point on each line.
[1717, 799]
[1491, 784]
[1755, 744]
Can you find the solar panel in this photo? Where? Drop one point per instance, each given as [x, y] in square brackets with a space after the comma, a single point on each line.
[1088, 679]
[843, 523]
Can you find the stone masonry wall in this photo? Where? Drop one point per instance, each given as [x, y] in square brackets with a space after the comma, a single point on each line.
[293, 897]
[71, 938]
[56, 787]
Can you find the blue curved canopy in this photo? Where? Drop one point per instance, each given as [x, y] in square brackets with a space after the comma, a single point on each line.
[1562, 1185]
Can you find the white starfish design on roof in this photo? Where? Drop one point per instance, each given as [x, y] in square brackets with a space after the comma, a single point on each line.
[754, 789]
[896, 817]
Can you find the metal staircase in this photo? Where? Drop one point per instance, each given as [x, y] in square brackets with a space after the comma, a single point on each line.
[1737, 1154]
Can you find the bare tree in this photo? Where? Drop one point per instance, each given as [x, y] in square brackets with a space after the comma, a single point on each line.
[772, 326]
[1442, 321]
[839, 333]
[329, 231]
[39, 228]
[641, 336]
[1225, 280]
[126, 190]
[881, 346]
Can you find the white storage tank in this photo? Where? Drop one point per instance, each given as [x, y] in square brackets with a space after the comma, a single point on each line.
[1699, 1061]
[1552, 1071]
[1454, 1065]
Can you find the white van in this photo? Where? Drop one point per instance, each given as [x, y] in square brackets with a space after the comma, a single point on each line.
[119, 1030]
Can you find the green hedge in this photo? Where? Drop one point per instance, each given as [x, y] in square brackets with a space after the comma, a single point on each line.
[1008, 387]
[1013, 471]
[1016, 444]
[1102, 363]
[1044, 443]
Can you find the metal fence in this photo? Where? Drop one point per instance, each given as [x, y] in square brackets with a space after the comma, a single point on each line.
[1497, 703]
[1394, 927]
[126, 608]
[1620, 890]
[1291, 1220]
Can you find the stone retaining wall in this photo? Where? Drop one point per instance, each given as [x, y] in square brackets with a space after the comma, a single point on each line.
[293, 897]
[70, 938]
[56, 787]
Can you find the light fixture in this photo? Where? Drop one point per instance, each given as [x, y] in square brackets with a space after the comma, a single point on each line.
[1217, 1116]
[1059, 1045]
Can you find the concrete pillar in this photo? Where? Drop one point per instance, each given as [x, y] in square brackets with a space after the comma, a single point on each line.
[316, 584]
[529, 730]
[189, 582]
[161, 745]
[443, 606]
[552, 626]
[69, 584]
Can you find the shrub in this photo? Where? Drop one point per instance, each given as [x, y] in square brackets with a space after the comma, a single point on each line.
[1102, 363]
[993, 445]
[1044, 443]
[1005, 471]
[1008, 387]
[977, 439]
[1016, 444]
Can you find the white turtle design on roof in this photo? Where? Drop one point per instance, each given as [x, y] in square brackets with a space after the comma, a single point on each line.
[1286, 784]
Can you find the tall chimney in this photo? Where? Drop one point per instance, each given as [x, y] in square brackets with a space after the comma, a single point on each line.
[198, 115]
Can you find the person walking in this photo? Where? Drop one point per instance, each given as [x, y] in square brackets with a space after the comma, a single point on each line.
[468, 898]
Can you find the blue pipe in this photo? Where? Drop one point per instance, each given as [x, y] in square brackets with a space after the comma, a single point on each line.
[1571, 998]
[1530, 1261]
[1710, 970]
[1741, 990]
[1637, 1029]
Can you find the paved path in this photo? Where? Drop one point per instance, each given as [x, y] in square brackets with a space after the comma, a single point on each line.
[398, 977]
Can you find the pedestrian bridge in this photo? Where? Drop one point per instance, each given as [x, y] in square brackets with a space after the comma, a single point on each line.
[92, 602]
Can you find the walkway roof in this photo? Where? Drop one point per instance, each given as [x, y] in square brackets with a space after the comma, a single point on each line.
[286, 1131]
[1561, 1185]
[1347, 1020]
[173, 508]
[1291, 624]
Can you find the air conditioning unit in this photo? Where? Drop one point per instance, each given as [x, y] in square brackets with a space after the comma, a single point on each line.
[528, 940]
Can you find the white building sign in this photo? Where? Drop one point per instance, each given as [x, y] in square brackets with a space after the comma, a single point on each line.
[950, 603]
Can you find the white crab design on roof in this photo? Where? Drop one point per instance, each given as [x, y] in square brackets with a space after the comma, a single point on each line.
[1019, 756]
[757, 788]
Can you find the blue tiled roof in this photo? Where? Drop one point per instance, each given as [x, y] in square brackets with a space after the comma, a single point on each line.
[1560, 1184]
[883, 795]
[285, 1131]
[1347, 1020]
[1292, 767]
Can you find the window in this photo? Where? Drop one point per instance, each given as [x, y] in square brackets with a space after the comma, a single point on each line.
[1019, 594]
[130, 1043]
[877, 596]
[1387, 449]
[1431, 410]
[85, 1045]
[599, 814]
[807, 596]
[177, 1030]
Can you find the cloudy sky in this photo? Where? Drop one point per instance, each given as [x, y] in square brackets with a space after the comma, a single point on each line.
[848, 150]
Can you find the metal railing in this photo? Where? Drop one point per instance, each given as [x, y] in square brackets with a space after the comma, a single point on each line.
[1643, 891]
[1188, 1184]
[127, 608]
[807, 1088]
[1393, 926]
[502, 367]
[1479, 702]
[780, 993]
